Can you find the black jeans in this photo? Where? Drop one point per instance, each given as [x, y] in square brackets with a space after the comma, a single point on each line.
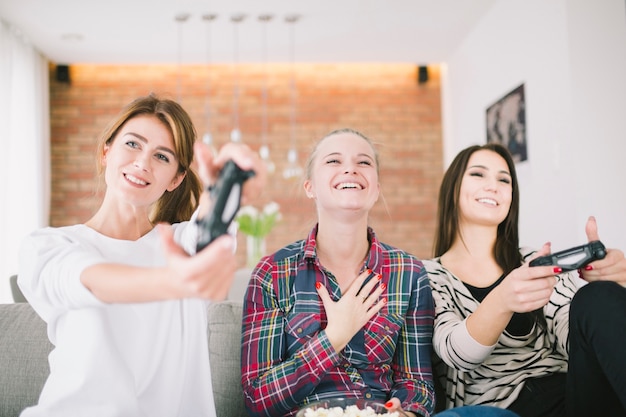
[542, 397]
[596, 379]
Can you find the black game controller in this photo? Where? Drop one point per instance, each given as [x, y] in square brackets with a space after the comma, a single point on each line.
[573, 258]
[226, 195]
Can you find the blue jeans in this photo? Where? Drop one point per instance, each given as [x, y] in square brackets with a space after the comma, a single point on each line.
[476, 411]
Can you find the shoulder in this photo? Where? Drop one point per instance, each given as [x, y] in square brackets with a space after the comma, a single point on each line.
[433, 265]
[390, 251]
[56, 235]
[289, 252]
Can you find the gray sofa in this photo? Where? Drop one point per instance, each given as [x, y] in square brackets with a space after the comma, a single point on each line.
[24, 349]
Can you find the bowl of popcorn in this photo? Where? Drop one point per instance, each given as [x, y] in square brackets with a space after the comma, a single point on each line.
[347, 407]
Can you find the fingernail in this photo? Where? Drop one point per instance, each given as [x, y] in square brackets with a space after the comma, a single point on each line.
[588, 268]
[388, 404]
[369, 271]
[379, 277]
[318, 285]
[384, 301]
[383, 286]
[557, 269]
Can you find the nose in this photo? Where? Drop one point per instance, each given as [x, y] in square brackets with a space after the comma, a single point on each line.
[491, 184]
[142, 161]
[349, 168]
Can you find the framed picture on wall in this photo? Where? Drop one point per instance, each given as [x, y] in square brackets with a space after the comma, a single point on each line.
[506, 123]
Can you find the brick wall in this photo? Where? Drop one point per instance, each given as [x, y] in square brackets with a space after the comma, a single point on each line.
[385, 102]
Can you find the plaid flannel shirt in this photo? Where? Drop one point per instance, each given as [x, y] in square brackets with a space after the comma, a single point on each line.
[287, 359]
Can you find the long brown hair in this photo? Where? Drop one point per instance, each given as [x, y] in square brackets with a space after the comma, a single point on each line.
[179, 204]
[506, 250]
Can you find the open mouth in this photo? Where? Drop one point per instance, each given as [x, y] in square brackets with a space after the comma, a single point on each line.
[135, 180]
[488, 201]
[349, 186]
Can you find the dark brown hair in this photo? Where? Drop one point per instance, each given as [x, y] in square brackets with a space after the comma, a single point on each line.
[179, 204]
[506, 250]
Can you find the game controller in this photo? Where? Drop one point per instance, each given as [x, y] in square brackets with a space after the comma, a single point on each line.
[573, 258]
[226, 197]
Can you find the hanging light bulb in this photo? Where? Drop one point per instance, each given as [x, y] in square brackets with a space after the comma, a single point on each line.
[207, 137]
[264, 150]
[180, 18]
[235, 134]
[293, 169]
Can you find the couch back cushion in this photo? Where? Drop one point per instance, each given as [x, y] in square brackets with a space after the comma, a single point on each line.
[24, 349]
[224, 335]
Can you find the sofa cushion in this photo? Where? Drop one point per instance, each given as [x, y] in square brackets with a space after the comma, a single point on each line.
[224, 336]
[24, 349]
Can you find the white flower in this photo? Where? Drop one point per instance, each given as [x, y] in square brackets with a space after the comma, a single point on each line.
[257, 223]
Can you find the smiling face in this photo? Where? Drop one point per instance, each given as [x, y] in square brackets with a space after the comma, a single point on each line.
[343, 174]
[486, 190]
[140, 161]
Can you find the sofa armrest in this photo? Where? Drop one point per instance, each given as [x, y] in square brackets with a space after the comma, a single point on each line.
[24, 350]
[224, 336]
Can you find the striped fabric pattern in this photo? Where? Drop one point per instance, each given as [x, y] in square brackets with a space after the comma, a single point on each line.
[287, 360]
[493, 375]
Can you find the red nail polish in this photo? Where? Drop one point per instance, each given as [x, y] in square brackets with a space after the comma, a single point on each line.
[369, 271]
[388, 404]
[379, 277]
[318, 285]
[588, 267]
[383, 286]
[384, 301]
[557, 269]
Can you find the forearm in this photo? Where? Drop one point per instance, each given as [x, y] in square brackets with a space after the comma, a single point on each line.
[298, 376]
[488, 321]
[117, 283]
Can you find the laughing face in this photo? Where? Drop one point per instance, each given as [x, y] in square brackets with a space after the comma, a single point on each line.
[344, 174]
[140, 161]
[486, 190]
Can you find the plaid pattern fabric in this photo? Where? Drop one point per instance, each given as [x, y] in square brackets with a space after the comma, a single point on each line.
[287, 359]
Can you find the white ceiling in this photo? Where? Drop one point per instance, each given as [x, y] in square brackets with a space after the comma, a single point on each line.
[146, 31]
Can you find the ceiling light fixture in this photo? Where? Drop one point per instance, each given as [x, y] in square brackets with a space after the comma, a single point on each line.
[264, 150]
[180, 18]
[293, 169]
[235, 134]
[207, 137]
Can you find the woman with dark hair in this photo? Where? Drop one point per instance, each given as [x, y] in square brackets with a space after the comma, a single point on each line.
[502, 327]
[124, 301]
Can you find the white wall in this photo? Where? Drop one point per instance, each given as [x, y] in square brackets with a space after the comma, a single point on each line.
[571, 57]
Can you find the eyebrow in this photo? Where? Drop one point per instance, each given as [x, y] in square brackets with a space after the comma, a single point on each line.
[144, 140]
[485, 168]
[339, 153]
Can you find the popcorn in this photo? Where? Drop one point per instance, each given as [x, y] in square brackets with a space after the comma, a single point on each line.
[349, 411]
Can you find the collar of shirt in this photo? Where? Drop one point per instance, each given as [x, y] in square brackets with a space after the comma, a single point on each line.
[374, 260]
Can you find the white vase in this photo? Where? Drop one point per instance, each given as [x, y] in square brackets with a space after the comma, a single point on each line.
[255, 249]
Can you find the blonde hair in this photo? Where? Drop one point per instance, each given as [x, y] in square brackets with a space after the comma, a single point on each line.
[309, 163]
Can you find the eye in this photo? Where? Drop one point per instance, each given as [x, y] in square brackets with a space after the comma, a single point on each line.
[332, 161]
[476, 174]
[505, 180]
[162, 157]
[365, 162]
[132, 144]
